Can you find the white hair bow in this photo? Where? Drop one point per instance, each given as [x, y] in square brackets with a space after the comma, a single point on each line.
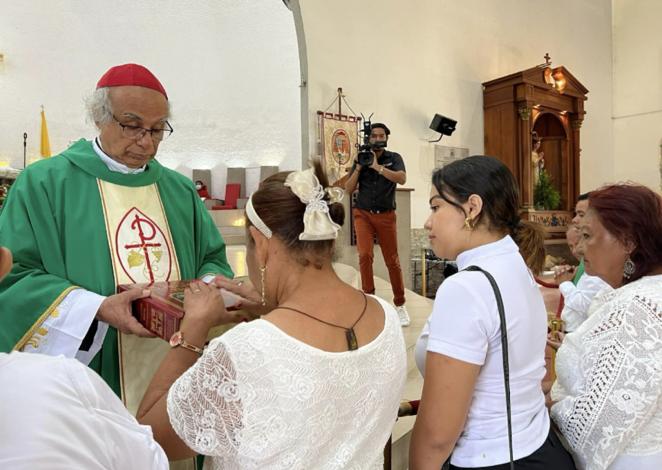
[317, 223]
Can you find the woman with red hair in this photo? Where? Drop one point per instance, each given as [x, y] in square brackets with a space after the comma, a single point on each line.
[607, 400]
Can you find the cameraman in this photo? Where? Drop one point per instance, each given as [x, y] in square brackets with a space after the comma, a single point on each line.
[374, 213]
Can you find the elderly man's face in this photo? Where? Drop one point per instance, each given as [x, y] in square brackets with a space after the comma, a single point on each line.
[133, 106]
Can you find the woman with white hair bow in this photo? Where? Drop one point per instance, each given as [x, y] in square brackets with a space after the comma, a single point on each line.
[315, 382]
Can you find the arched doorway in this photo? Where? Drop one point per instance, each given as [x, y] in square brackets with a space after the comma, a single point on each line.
[552, 131]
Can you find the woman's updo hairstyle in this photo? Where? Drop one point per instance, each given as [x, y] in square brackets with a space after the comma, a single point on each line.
[282, 211]
[490, 179]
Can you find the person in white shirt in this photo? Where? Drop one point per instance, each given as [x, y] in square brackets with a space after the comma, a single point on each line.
[607, 398]
[475, 220]
[315, 383]
[57, 414]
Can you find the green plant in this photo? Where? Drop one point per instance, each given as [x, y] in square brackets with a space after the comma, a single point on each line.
[545, 195]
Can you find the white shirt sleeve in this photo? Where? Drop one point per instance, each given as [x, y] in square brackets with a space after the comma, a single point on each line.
[458, 328]
[64, 330]
[204, 405]
[577, 299]
[117, 425]
[621, 390]
[60, 414]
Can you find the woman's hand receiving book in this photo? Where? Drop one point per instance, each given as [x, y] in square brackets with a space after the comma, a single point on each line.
[204, 304]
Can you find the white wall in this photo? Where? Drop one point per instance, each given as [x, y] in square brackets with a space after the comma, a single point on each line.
[406, 60]
[230, 67]
[638, 91]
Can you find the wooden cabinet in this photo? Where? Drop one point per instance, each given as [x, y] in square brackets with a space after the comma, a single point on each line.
[545, 100]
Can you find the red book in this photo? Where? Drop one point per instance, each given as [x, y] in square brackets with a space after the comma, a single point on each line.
[162, 312]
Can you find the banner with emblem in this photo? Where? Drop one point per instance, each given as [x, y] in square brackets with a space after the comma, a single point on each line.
[339, 139]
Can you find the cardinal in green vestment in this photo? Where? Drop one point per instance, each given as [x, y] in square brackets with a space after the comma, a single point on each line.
[100, 214]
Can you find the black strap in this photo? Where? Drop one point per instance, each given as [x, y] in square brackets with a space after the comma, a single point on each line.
[350, 335]
[504, 350]
[87, 342]
[365, 307]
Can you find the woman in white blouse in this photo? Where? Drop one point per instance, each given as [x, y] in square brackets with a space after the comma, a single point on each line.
[315, 383]
[475, 220]
[608, 392]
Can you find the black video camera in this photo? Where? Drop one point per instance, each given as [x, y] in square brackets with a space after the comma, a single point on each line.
[365, 155]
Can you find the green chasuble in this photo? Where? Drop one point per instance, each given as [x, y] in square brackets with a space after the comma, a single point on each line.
[53, 222]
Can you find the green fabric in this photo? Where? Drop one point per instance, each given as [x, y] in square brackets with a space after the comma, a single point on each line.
[579, 272]
[53, 223]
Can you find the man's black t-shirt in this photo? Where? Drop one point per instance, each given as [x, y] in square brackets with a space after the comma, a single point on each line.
[376, 193]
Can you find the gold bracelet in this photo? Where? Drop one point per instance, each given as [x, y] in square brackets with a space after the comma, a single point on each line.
[177, 339]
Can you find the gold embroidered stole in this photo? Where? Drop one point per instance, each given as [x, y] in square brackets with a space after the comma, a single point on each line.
[141, 250]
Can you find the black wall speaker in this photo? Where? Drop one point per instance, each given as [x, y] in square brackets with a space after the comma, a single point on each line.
[443, 125]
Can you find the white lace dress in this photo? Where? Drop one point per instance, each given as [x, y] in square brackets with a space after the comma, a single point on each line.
[609, 381]
[260, 399]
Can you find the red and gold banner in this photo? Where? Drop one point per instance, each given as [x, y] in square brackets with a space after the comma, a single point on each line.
[339, 138]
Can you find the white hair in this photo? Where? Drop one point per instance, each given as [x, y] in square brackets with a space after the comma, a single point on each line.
[99, 108]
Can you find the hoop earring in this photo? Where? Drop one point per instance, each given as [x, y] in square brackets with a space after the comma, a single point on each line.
[263, 272]
[628, 268]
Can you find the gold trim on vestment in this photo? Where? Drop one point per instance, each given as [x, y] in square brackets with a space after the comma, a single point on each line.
[42, 318]
[108, 232]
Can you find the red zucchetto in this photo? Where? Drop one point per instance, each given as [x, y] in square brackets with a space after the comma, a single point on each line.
[131, 75]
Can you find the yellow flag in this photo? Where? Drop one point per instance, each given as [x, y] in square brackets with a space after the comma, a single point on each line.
[45, 143]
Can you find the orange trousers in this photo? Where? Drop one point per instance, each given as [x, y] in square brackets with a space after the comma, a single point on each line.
[366, 226]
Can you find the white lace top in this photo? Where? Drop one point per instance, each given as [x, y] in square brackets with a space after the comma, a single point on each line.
[260, 399]
[609, 381]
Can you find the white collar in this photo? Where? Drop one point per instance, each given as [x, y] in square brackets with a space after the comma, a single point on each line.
[114, 165]
[499, 247]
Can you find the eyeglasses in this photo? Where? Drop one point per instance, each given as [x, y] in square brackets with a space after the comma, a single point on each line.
[137, 132]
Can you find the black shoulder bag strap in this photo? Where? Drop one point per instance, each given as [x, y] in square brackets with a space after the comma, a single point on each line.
[504, 350]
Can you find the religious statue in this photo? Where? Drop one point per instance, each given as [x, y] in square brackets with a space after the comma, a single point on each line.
[537, 160]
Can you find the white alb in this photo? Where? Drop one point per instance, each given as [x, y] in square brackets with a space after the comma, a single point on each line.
[260, 399]
[609, 381]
